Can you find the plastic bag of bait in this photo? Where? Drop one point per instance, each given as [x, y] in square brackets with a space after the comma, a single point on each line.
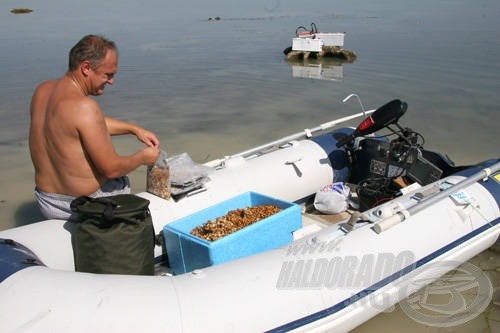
[158, 177]
[332, 199]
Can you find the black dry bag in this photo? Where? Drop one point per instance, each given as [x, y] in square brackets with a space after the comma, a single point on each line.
[113, 235]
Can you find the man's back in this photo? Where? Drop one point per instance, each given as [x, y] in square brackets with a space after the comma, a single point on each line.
[61, 165]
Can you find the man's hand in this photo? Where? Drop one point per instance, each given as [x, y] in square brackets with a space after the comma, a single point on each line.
[148, 138]
[150, 155]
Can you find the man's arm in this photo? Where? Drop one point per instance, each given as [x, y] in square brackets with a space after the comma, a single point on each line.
[120, 127]
[95, 135]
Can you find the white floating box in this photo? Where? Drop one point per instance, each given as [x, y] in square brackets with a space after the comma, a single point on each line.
[307, 44]
[331, 38]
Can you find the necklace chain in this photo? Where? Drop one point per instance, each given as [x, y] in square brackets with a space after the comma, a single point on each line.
[75, 82]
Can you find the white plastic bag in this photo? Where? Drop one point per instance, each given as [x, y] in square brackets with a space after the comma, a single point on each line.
[332, 199]
[185, 172]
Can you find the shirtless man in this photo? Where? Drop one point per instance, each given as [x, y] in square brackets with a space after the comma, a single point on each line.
[70, 137]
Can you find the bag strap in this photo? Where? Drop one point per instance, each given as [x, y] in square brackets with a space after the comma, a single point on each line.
[108, 209]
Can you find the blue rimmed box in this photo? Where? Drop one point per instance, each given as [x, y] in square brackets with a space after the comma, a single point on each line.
[187, 252]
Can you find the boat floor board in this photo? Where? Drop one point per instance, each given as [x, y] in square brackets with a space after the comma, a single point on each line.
[326, 219]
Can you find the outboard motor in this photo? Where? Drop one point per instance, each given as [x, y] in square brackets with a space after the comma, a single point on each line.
[377, 161]
[384, 116]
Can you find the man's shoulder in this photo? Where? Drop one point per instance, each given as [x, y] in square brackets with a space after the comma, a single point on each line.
[83, 102]
[82, 108]
[50, 82]
[45, 86]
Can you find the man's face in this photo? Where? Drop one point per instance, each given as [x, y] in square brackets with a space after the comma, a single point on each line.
[105, 73]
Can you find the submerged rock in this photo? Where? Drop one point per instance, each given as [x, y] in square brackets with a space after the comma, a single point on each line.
[21, 11]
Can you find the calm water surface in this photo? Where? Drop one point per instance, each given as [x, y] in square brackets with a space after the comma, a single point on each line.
[213, 88]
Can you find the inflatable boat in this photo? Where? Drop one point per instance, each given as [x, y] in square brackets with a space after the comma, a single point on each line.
[410, 215]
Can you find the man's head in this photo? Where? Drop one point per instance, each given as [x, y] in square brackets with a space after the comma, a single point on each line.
[95, 60]
[91, 48]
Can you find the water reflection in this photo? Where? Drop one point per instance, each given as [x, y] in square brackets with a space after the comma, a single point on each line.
[320, 69]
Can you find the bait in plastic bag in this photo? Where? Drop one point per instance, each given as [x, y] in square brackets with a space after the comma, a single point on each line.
[158, 177]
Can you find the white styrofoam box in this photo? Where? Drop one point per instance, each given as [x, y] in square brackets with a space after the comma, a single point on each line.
[307, 44]
[331, 38]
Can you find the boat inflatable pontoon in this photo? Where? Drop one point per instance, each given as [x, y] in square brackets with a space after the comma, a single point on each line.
[335, 275]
